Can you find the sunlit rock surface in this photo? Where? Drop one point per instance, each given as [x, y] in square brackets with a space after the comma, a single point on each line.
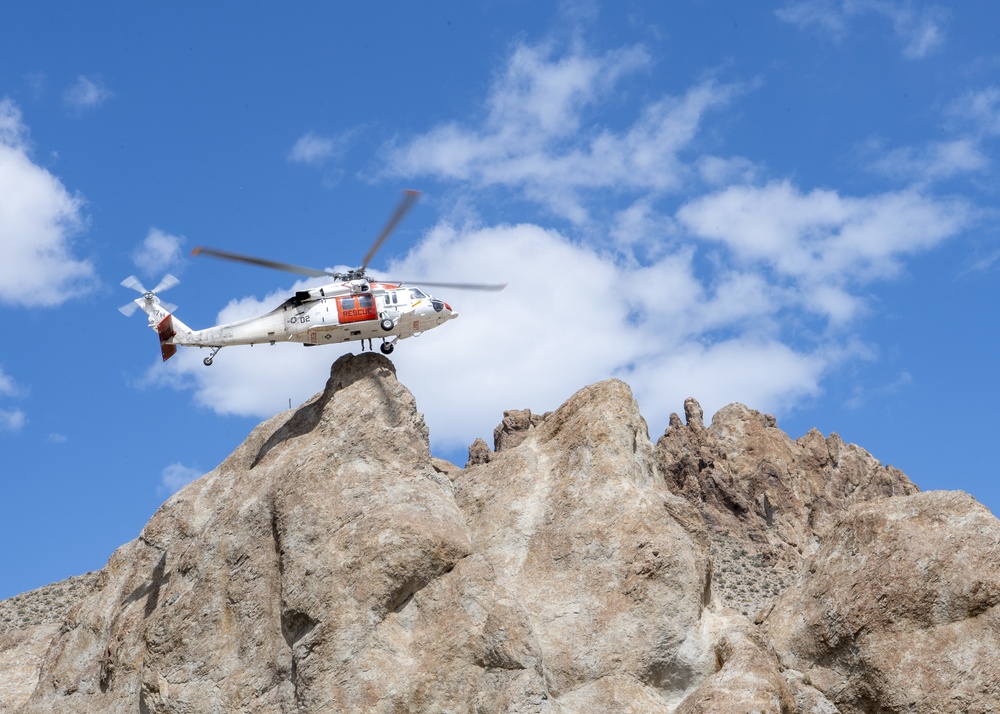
[332, 564]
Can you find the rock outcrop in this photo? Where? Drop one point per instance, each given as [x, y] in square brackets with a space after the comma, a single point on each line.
[897, 612]
[332, 564]
[579, 529]
[752, 482]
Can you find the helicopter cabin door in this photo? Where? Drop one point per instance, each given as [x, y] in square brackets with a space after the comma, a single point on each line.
[356, 308]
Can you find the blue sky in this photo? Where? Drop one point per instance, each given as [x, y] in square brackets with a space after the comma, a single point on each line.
[790, 204]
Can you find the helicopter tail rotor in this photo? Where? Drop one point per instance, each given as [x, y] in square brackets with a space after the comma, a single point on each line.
[161, 317]
[149, 297]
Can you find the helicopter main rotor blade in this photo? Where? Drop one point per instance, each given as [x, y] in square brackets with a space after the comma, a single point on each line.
[409, 198]
[287, 267]
[494, 287]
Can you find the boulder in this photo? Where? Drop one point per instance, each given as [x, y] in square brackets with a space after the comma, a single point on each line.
[898, 611]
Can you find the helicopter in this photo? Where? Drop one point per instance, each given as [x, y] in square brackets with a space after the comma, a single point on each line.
[353, 307]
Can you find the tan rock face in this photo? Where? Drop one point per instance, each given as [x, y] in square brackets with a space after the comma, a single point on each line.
[317, 567]
[327, 565]
[331, 564]
[21, 655]
[898, 610]
[751, 481]
[580, 529]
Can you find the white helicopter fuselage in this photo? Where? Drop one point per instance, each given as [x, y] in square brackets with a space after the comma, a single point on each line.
[354, 307]
[331, 314]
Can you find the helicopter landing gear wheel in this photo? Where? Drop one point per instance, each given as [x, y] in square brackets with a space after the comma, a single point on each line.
[386, 348]
[386, 324]
[208, 360]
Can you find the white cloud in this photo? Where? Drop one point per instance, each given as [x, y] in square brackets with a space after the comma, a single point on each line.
[8, 387]
[571, 316]
[980, 109]
[158, 253]
[86, 93]
[765, 374]
[38, 220]
[827, 15]
[823, 242]
[176, 476]
[973, 118]
[861, 396]
[12, 420]
[934, 161]
[532, 138]
[311, 148]
[318, 150]
[920, 31]
[983, 263]
[36, 83]
[13, 132]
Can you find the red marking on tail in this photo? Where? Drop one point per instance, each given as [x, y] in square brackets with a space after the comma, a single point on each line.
[166, 330]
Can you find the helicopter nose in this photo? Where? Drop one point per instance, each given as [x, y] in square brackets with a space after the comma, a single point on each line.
[452, 314]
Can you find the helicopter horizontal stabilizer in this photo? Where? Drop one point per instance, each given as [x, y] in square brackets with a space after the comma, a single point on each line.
[166, 330]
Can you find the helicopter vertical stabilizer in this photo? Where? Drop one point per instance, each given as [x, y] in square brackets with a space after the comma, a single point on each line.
[165, 329]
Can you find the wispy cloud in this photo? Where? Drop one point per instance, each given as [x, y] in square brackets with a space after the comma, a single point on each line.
[533, 138]
[315, 149]
[158, 253]
[39, 218]
[8, 387]
[934, 161]
[821, 238]
[86, 93]
[860, 396]
[36, 83]
[973, 121]
[919, 30]
[12, 420]
[175, 477]
[978, 111]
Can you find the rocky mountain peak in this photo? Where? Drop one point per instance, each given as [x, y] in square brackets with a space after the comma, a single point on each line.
[332, 564]
[751, 481]
[363, 409]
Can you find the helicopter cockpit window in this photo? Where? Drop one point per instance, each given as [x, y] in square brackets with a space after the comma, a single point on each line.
[417, 294]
